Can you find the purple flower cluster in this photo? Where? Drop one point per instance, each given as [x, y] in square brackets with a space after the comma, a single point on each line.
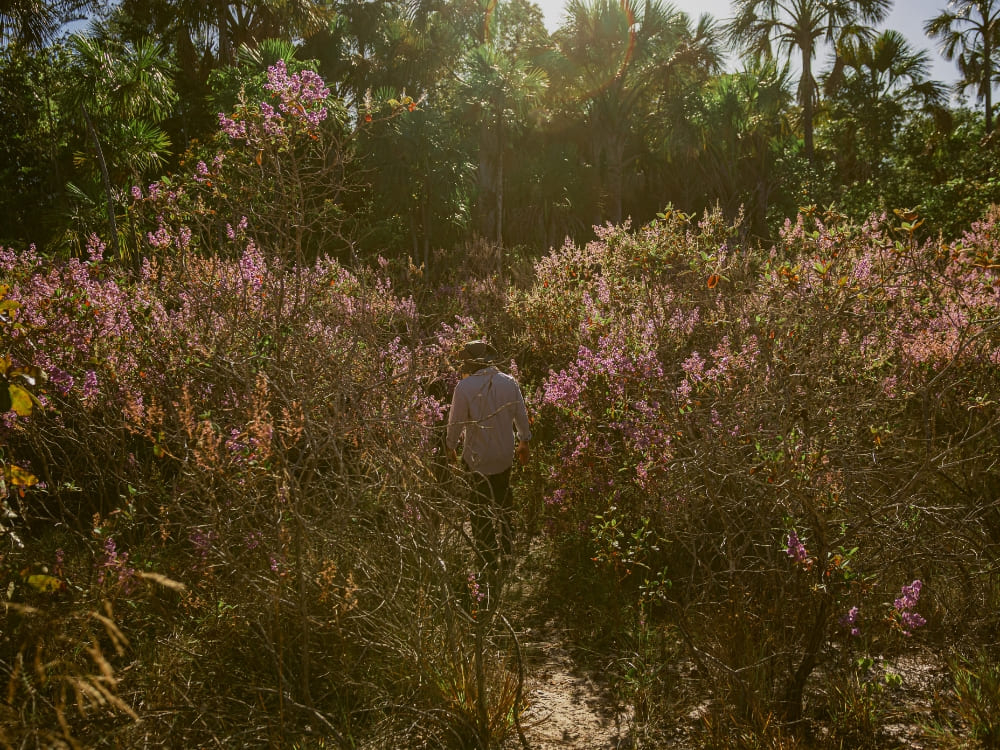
[903, 606]
[795, 549]
[235, 129]
[70, 315]
[694, 367]
[475, 592]
[114, 568]
[849, 620]
[306, 88]
[557, 498]
[202, 541]
[564, 388]
[301, 107]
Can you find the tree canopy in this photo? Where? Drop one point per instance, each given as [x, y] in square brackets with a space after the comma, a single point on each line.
[506, 132]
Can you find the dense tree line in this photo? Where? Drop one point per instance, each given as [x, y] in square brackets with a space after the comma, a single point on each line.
[467, 118]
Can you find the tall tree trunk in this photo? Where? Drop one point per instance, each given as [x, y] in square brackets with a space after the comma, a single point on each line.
[615, 155]
[425, 219]
[105, 179]
[989, 107]
[988, 99]
[487, 181]
[498, 181]
[225, 42]
[414, 235]
[806, 99]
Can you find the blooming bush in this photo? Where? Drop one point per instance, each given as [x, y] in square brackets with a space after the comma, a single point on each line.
[282, 162]
[255, 433]
[800, 430]
[264, 435]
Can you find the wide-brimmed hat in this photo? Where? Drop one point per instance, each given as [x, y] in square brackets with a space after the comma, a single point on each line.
[478, 352]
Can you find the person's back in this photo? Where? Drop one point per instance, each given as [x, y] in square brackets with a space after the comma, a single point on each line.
[486, 409]
[488, 405]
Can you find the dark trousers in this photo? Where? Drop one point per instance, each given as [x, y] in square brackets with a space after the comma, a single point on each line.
[492, 511]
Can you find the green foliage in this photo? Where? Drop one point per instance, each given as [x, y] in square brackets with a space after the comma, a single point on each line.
[874, 88]
[35, 153]
[967, 32]
[636, 115]
[421, 192]
[977, 696]
[940, 168]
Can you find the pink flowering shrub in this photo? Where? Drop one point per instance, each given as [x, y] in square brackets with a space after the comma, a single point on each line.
[282, 162]
[240, 415]
[801, 432]
[238, 440]
[280, 171]
[266, 435]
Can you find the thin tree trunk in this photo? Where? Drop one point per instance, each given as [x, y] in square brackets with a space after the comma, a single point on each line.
[414, 237]
[806, 97]
[989, 107]
[225, 43]
[616, 177]
[988, 57]
[498, 183]
[305, 655]
[797, 685]
[105, 179]
[487, 175]
[425, 219]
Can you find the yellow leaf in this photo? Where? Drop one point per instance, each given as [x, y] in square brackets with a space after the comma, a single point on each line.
[20, 477]
[21, 401]
[43, 583]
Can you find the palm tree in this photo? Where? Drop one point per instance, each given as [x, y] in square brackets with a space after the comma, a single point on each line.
[32, 23]
[769, 27]
[618, 58]
[115, 90]
[739, 131]
[499, 88]
[206, 34]
[870, 89]
[969, 32]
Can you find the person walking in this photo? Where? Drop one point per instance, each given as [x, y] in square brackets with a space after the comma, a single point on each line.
[487, 409]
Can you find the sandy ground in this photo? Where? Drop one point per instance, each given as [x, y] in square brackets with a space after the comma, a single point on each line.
[566, 707]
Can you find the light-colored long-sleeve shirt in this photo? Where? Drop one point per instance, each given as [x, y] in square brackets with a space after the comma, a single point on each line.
[487, 407]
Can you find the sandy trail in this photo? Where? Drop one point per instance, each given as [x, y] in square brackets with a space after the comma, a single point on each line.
[566, 706]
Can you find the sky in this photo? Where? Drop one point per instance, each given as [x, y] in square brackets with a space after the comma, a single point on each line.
[906, 16]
